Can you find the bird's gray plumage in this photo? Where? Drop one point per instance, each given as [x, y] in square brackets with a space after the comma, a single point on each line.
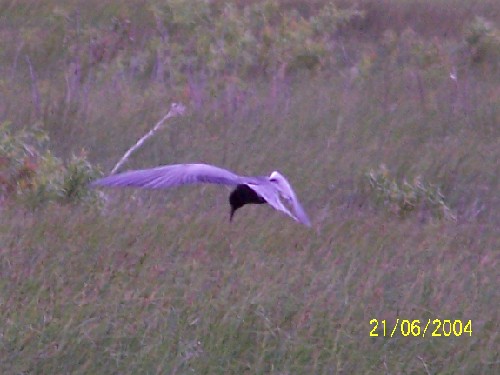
[270, 188]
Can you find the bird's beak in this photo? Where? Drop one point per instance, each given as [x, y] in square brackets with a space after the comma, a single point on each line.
[231, 214]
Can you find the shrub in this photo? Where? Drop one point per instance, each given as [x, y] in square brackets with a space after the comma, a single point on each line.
[30, 173]
[483, 42]
[406, 197]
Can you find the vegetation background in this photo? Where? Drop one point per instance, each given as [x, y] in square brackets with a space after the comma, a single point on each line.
[385, 116]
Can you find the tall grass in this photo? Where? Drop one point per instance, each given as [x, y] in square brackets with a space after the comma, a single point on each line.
[160, 282]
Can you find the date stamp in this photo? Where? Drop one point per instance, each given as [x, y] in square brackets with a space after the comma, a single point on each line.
[421, 328]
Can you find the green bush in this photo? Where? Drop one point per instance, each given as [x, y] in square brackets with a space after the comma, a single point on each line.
[30, 173]
[405, 197]
[482, 40]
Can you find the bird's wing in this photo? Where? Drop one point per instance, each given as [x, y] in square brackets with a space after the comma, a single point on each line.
[299, 211]
[271, 195]
[284, 189]
[297, 207]
[170, 176]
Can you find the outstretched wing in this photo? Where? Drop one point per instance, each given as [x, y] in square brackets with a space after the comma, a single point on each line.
[286, 191]
[297, 207]
[170, 176]
[299, 211]
[271, 195]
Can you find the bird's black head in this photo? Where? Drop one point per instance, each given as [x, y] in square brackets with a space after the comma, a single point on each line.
[236, 201]
[242, 195]
[233, 210]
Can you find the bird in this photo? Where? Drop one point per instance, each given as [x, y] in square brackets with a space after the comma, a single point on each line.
[248, 190]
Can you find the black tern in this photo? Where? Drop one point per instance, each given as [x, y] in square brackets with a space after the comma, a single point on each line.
[249, 190]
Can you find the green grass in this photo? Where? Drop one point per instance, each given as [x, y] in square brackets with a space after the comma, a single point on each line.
[161, 283]
[128, 293]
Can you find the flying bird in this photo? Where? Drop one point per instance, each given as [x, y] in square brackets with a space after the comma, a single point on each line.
[249, 190]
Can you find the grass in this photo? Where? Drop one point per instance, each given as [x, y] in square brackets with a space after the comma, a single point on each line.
[179, 294]
[160, 282]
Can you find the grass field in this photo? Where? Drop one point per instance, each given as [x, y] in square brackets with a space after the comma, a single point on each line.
[162, 283]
